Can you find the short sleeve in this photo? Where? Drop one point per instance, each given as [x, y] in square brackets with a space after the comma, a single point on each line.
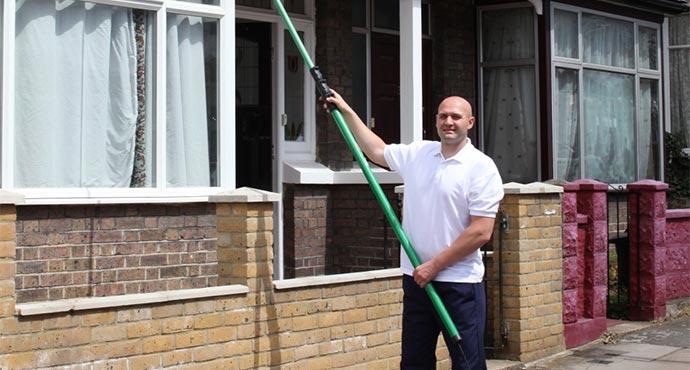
[399, 156]
[486, 192]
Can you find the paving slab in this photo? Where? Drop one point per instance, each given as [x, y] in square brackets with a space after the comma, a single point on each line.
[681, 355]
[641, 351]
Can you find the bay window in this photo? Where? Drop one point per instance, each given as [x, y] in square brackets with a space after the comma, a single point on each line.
[606, 82]
[111, 94]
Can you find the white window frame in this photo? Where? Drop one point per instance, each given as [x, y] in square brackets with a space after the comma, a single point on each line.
[534, 62]
[639, 73]
[224, 13]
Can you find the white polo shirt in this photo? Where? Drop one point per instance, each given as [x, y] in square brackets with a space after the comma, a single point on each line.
[440, 195]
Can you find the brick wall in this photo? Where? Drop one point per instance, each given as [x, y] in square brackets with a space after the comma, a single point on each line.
[330, 229]
[361, 234]
[678, 253]
[531, 260]
[454, 50]
[334, 57]
[83, 251]
[314, 327]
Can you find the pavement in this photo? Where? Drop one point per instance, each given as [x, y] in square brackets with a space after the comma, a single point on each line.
[626, 345]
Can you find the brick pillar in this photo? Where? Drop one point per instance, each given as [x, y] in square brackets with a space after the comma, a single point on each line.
[531, 262]
[647, 235]
[245, 237]
[8, 242]
[334, 55]
[585, 261]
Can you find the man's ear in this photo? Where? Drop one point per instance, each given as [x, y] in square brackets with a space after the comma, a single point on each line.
[471, 122]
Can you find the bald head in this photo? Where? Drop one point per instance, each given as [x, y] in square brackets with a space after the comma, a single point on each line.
[457, 102]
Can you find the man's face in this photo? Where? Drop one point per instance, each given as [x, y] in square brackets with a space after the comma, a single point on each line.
[453, 120]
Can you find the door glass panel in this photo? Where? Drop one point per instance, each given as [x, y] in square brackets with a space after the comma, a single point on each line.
[359, 74]
[510, 129]
[649, 129]
[648, 48]
[264, 4]
[566, 38]
[210, 2]
[294, 90]
[609, 116]
[567, 124]
[608, 41]
[294, 6]
[507, 34]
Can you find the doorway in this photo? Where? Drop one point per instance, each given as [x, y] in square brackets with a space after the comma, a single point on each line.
[254, 105]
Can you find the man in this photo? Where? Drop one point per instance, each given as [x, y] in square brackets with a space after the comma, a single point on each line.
[452, 192]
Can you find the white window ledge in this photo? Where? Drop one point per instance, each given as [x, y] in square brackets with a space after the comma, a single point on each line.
[92, 303]
[310, 172]
[312, 281]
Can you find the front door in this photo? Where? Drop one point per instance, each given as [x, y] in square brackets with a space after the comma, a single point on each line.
[254, 105]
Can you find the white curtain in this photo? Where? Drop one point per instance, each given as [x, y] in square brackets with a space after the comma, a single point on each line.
[567, 124]
[75, 96]
[565, 34]
[608, 41]
[609, 124]
[648, 133]
[187, 131]
[509, 119]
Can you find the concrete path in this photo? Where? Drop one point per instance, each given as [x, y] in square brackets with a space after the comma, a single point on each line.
[653, 347]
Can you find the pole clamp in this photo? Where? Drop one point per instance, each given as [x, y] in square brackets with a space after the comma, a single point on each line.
[321, 84]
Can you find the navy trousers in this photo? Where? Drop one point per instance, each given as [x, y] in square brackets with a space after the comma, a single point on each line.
[466, 304]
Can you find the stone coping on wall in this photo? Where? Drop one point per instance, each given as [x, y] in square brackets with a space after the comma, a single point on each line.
[245, 195]
[8, 197]
[311, 281]
[92, 303]
[309, 172]
[678, 213]
[516, 188]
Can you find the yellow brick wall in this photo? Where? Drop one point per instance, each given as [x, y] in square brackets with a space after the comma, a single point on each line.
[323, 327]
[353, 324]
[532, 304]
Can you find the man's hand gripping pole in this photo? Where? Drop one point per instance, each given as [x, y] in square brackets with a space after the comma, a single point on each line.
[325, 92]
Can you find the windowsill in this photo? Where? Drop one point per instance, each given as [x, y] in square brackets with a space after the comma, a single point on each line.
[312, 281]
[53, 196]
[92, 303]
[310, 172]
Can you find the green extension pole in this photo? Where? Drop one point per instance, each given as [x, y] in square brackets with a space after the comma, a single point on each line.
[375, 187]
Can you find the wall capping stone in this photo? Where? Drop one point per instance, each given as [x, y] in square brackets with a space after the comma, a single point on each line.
[91, 303]
[311, 281]
[8, 197]
[531, 188]
[245, 195]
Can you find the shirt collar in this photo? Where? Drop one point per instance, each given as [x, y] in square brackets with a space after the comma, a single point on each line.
[462, 156]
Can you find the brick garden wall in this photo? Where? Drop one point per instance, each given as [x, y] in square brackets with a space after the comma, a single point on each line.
[331, 229]
[87, 251]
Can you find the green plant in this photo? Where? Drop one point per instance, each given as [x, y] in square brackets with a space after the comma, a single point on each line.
[677, 169]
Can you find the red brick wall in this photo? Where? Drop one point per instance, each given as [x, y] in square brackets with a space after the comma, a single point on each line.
[678, 253]
[359, 231]
[331, 229]
[305, 229]
[83, 251]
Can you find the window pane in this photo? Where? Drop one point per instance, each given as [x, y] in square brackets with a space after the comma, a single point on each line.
[679, 31]
[387, 14]
[608, 41]
[507, 34]
[648, 48]
[294, 6]
[264, 4]
[359, 13]
[648, 133]
[510, 124]
[567, 124]
[83, 95]
[210, 2]
[679, 60]
[359, 74]
[566, 34]
[609, 123]
[192, 101]
[426, 30]
[294, 90]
